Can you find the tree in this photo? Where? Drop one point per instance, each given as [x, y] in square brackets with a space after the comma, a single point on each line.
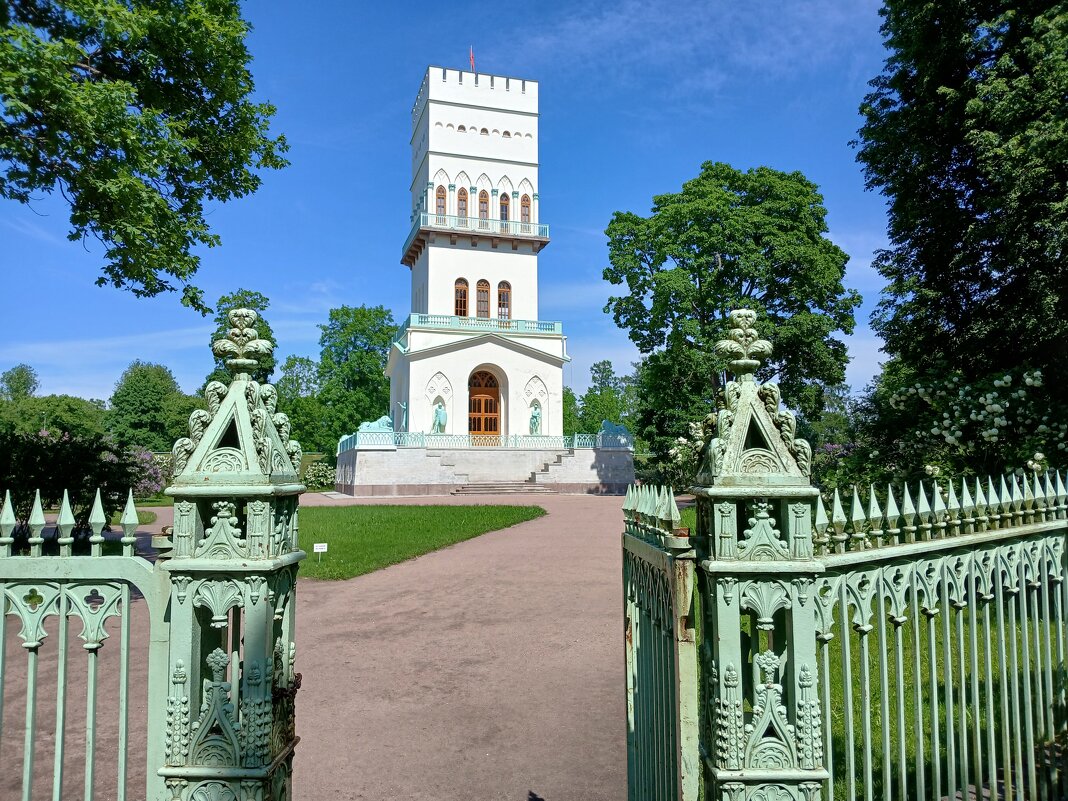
[609, 397]
[56, 414]
[139, 114]
[965, 135]
[299, 379]
[298, 397]
[571, 413]
[147, 407]
[242, 299]
[19, 382]
[728, 240]
[355, 343]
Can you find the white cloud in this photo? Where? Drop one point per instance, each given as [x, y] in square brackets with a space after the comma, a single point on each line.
[29, 229]
[861, 246]
[707, 44]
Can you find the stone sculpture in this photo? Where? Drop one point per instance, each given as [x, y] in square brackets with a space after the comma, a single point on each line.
[441, 417]
[535, 419]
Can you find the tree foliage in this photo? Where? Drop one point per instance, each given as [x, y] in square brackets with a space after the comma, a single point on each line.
[56, 414]
[148, 408]
[728, 240]
[242, 299]
[609, 397]
[139, 113]
[571, 413]
[19, 382]
[966, 136]
[355, 343]
[298, 397]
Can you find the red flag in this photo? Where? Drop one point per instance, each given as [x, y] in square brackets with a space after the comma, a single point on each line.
[472, 56]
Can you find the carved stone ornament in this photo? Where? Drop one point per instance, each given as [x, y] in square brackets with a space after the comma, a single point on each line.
[215, 742]
[749, 439]
[770, 743]
[241, 346]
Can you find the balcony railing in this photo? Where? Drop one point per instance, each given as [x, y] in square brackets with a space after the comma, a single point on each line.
[483, 226]
[448, 322]
[476, 225]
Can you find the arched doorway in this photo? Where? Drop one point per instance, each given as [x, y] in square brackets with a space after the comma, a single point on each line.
[484, 408]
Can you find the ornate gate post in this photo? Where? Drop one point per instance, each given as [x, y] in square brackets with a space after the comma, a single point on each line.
[761, 732]
[232, 561]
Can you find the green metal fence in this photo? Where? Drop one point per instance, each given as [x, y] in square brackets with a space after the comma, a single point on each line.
[661, 667]
[910, 644]
[220, 680]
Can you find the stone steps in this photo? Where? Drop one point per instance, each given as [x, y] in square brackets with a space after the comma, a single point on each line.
[503, 488]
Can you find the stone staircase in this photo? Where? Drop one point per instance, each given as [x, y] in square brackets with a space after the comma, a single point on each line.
[503, 488]
[529, 487]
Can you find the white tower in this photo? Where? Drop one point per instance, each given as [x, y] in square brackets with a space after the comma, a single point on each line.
[473, 345]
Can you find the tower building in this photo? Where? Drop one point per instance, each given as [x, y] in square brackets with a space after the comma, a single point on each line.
[473, 358]
[476, 377]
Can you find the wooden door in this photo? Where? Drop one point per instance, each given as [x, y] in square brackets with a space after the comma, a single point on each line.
[484, 409]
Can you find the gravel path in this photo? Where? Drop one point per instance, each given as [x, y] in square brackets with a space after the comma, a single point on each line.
[492, 669]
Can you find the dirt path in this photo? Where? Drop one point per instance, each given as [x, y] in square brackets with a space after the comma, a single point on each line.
[490, 670]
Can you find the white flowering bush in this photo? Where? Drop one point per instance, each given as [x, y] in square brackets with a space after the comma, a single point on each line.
[319, 475]
[1005, 422]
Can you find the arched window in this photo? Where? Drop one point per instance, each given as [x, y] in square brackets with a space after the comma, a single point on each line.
[483, 205]
[482, 298]
[461, 297]
[461, 204]
[524, 209]
[504, 301]
[504, 207]
[439, 205]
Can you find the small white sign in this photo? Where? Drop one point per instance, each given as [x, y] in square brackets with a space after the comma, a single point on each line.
[319, 547]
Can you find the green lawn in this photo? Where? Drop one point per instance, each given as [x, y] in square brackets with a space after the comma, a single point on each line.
[144, 517]
[366, 538]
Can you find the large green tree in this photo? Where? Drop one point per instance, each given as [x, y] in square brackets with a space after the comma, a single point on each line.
[148, 408]
[140, 113]
[965, 133]
[609, 397]
[730, 239]
[298, 397]
[355, 343]
[571, 413]
[56, 414]
[242, 299]
[20, 381]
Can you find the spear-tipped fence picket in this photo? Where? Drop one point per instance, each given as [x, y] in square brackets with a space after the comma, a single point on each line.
[661, 660]
[219, 684]
[91, 588]
[936, 509]
[882, 642]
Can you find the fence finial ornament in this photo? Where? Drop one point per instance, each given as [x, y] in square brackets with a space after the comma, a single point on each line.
[242, 343]
[750, 440]
[744, 344]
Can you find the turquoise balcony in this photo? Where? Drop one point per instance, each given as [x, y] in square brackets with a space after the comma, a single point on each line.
[450, 322]
[536, 233]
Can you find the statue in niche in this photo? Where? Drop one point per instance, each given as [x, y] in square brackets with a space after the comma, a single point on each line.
[535, 419]
[403, 425]
[441, 417]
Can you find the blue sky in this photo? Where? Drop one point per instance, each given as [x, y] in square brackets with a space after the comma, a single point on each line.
[634, 97]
